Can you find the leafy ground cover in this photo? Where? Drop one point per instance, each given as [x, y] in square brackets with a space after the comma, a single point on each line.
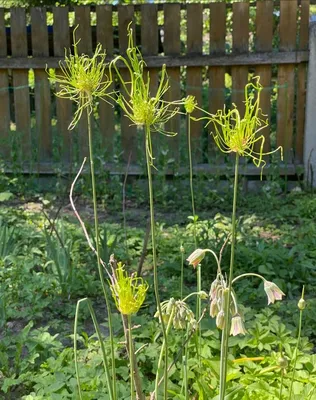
[46, 267]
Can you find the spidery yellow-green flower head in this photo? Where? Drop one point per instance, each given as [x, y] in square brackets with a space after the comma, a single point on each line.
[236, 134]
[82, 80]
[129, 292]
[138, 104]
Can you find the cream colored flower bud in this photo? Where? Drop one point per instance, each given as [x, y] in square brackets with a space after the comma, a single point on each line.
[220, 320]
[301, 304]
[196, 257]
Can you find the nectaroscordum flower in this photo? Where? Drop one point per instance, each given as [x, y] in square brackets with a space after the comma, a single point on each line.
[273, 292]
[237, 326]
[82, 79]
[239, 134]
[196, 257]
[129, 292]
[138, 104]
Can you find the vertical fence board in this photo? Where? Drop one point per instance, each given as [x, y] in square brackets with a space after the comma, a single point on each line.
[128, 131]
[240, 45]
[42, 88]
[61, 40]
[264, 36]
[149, 38]
[216, 75]
[301, 83]
[194, 74]
[286, 76]
[149, 47]
[106, 110]
[4, 95]
[172, 48]
[21, 82]
[83, 32]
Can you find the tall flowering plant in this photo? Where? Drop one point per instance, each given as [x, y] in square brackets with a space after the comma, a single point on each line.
[239, 135]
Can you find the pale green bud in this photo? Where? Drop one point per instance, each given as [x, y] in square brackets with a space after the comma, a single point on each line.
[301, 304]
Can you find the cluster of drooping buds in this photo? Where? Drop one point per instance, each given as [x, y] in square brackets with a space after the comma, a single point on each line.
[180, 314]
[218, 300]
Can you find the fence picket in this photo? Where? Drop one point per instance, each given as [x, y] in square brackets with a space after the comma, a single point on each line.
[194, 74]
[240, 45]
[301, 83]
[21, 82]
[42, 87]
[171, 46]
[106, 110]
[128, 131]
[61, 40]
[4, 95]
[286, 77]
[216, 75]
[83, 32]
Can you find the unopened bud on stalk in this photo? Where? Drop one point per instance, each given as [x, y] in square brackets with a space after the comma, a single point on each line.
[283, 362]
[220, 320]
[301, 304]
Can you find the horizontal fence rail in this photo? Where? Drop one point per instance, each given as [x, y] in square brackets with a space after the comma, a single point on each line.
[211, 51]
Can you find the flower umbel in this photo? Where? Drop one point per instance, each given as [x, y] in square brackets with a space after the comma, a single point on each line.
[236, 134]
[273, 292]
[139, 106]
[83, 79]
[180, 313]
[129, 292]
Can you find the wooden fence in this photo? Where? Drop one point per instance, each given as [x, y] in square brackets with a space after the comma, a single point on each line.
[211, 51]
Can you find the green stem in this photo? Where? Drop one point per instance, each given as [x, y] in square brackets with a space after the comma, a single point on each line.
[225, 334]
[198, 269]
[296, 347]
[131, 358]
[182, 272]
[154, 252]
[247, 274]
[162, 353]
[281, 385]
[96, 228]
[185, 377]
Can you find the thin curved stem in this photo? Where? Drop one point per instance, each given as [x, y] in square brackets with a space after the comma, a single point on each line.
[225, 334]
[247, 274]
[153, 239]
[96, 229]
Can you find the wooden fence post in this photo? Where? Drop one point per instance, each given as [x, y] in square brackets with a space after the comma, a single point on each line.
[310, 125]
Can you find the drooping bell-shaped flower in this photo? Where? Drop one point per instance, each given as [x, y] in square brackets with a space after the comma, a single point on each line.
[273, 292]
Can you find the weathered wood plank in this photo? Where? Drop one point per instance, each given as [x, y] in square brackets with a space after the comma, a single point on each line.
[4, 95]
[194, 74]
[128, 131]
[301, 82]
[106, 110]
[264, 36]
[172, 48]
[216, 74]
[136, 170]
[83, 32]
[240, 45]
[20, 82]
[61, 42]
[149, 39]
[42, 87]
[251, 59]
[286, 77]
[149, 47]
